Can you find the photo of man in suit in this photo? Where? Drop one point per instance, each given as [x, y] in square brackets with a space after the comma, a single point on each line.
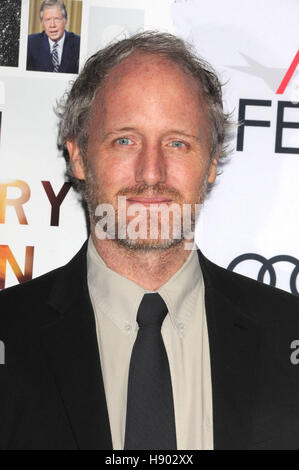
[55, 49]
[142, 343]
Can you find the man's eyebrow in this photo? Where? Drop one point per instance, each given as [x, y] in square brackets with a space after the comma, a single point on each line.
[179, 131]
[171, 131]
[121, 129]
[115, 131]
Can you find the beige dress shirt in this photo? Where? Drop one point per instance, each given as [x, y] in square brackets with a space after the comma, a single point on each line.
[115, 301]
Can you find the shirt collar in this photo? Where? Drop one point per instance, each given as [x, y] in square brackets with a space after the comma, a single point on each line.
[119, 297]
[60, 42]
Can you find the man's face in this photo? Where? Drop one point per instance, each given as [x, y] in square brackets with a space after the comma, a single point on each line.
[149, 139]
[53, 23]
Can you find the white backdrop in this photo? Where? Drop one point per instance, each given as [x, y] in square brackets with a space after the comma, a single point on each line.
[254, 207]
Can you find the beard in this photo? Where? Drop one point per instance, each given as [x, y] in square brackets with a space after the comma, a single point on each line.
[123, 233]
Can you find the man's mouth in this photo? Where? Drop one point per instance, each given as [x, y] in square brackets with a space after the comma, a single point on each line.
[148, 200]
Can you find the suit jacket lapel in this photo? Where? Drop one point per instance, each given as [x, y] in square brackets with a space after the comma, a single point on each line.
[234, 349]
[67, 52]
[45, 53]
[71, 348]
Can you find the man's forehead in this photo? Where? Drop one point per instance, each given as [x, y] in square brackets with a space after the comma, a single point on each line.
[52, 10]
[141, 70]
[146, 63]
[135, 73]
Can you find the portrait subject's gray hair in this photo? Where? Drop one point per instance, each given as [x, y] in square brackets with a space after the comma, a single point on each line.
[52, 3]
[74, 108]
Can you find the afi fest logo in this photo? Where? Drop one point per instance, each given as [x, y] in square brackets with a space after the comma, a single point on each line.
[278, 80]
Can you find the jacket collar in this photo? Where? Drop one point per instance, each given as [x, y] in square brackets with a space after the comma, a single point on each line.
[71, 347]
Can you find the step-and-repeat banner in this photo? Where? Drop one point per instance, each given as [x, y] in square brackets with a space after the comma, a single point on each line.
[250, 221]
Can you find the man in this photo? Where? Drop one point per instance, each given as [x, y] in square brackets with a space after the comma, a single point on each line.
[140, 342]
[55, 49]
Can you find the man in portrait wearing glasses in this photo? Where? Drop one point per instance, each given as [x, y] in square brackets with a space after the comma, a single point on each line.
[55, 49]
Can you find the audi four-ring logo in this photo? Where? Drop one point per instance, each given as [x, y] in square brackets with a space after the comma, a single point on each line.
[267, 265]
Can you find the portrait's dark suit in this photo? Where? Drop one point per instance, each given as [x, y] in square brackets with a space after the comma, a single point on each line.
[39, 55]
[51, 387]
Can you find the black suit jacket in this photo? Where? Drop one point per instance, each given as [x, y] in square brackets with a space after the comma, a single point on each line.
[39, 56]
[51, 387]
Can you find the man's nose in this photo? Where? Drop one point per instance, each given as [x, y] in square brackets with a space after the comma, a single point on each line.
[151, 166]
[52, 22]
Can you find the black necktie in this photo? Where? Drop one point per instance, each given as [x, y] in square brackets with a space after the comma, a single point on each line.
[150, 422]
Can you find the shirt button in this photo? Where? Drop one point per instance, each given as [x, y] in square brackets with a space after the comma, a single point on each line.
[181, 326]
[128, 327]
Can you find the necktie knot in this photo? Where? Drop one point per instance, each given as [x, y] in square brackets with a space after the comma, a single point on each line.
[152, 310]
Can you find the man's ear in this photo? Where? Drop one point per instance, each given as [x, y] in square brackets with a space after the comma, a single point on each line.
[213, 168]
[76, 159]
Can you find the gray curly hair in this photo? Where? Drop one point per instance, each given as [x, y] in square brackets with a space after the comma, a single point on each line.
[74, 107]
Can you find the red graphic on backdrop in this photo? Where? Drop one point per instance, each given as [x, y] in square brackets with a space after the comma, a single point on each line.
[270, 75]
[288, 75]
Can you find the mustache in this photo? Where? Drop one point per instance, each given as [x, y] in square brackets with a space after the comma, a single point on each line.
[144, 189]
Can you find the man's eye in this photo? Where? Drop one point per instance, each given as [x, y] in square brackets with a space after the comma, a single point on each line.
[177, 144]
[124, 141]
